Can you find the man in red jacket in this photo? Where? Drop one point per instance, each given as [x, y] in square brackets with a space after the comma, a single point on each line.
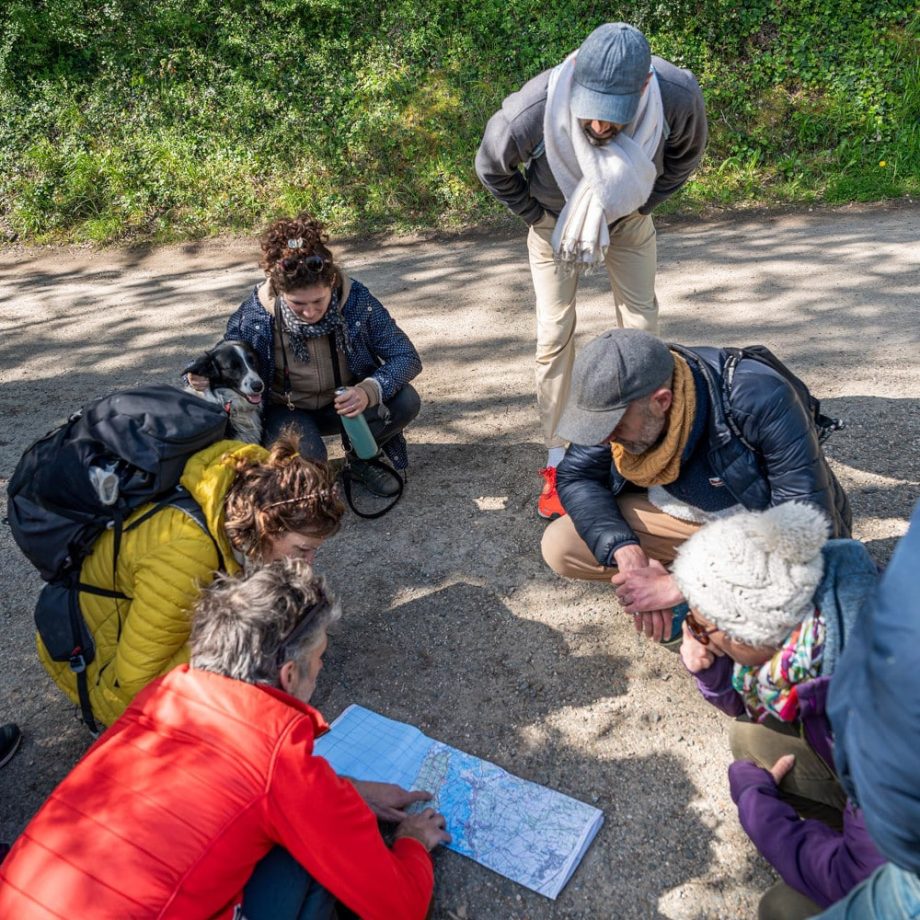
[210, 771]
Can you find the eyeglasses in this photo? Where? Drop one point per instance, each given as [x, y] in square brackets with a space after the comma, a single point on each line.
[313, 264]
[297, 632]
[697, 631]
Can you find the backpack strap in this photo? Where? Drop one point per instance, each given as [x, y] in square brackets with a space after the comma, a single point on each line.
[728, 378]
[182, 501]
[393, 474]
[825, 426]
[179, 499]
[78, 660]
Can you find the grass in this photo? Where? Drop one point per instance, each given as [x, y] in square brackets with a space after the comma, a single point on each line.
[177, 119]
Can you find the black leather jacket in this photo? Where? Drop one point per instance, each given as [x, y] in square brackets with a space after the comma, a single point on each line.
[780, 461]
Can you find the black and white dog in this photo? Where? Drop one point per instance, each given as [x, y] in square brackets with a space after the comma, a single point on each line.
[234, 383]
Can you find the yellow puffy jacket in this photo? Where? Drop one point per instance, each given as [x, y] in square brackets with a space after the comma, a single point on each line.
[163, 564]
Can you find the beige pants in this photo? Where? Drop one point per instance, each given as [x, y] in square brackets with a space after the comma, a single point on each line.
[658, 533]
[782, 902]
[630, 262]
[811, 787]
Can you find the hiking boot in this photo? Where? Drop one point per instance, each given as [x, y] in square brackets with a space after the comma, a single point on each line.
[10, 737]
[374, 479]
[549, 506]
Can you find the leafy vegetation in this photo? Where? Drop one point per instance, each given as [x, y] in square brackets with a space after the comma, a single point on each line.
[176, 118]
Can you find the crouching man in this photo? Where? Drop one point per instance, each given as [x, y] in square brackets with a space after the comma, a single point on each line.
[204, 799]
[663, 440]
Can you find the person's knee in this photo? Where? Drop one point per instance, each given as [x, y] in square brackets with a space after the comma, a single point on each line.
[313, 447]
[552, 546]
[782, 902]
[409, 403]
[553, 341]
[742, 737]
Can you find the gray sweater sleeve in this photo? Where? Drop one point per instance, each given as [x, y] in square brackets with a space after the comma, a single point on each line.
[515, 133]
[512, 135]
[686, 115]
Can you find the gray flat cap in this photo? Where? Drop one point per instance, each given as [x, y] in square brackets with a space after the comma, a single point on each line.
[617, 367]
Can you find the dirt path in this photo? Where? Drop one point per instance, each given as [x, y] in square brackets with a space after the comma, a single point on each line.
[452, 622]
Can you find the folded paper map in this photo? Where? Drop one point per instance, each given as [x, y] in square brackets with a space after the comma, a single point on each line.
[526, 832]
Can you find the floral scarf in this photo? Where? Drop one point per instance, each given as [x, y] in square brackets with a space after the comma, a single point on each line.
[299, 332]
[770, 689]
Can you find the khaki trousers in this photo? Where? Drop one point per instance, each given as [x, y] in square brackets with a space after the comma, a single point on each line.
[631, 260]
[811, 787]
[783, 902]
[658, 533]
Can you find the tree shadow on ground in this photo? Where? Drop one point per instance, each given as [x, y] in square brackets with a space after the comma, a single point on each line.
[422, 662]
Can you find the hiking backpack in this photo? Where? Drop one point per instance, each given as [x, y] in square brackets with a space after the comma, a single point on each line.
[119, 452]
[824, 424]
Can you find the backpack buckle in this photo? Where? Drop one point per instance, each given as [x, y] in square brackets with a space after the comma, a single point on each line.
[77, 662]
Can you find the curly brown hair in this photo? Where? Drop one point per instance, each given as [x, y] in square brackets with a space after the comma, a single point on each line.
[284, 493]
[295, 254]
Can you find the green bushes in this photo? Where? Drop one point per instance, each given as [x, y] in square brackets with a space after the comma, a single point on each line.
[176, 118]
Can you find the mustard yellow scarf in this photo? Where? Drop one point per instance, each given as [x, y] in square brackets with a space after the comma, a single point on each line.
[660, 465]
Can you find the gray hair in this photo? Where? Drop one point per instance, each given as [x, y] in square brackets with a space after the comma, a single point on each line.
[247, 627]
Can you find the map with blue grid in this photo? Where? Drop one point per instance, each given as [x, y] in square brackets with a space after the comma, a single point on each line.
[526, 832]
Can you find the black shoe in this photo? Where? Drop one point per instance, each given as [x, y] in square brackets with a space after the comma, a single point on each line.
[10, 736]
[374, 479]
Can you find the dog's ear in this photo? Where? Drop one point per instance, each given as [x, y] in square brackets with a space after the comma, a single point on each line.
[203, 365]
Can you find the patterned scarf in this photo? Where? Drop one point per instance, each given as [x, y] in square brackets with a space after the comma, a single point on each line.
[660, 465]
[770, 689]
[299, 332]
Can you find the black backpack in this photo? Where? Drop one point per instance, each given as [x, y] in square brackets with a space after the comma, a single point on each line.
[117, 453]
[824, 424]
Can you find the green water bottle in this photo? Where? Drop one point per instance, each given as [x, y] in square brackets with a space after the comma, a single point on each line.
[679, 614]
[359, 433]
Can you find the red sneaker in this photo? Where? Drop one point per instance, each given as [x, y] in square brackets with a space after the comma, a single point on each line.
[549, 506]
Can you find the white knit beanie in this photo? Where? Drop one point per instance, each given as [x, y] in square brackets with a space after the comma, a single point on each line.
[754, 574]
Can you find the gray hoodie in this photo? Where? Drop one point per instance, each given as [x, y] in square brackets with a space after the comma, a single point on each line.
[514, 137]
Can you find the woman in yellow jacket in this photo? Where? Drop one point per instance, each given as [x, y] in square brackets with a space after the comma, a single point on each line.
[259, 505]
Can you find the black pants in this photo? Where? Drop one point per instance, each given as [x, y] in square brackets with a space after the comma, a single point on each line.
[385, 421]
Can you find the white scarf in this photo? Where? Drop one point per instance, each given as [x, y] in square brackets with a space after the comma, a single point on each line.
[600, 184]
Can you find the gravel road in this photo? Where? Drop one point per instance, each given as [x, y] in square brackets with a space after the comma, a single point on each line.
[451, 620]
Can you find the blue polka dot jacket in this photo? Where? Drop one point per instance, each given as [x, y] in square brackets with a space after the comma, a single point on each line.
[377, 348]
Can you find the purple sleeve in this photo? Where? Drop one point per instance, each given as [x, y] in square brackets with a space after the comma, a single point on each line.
[821, 863]
[715, 683]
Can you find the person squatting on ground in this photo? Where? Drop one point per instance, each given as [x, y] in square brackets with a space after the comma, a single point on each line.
[657, 451]
[258, 506]
[314, 329]
[249, 817]
[10, 739]
[773, 603]
[603, 139]
[874, 707]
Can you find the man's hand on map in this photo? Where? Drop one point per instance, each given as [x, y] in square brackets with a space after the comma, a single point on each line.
[427, 827]
[387, 800]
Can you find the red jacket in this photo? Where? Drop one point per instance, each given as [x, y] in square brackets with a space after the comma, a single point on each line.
[170, 810]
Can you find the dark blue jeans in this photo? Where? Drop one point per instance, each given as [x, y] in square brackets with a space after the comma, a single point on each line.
[281, 889]
[384, 421]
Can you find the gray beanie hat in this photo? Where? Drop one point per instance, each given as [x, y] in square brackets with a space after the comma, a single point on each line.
[754, 574]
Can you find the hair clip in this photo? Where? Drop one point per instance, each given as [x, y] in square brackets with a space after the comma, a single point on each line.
[313, 497]
[295, 244]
